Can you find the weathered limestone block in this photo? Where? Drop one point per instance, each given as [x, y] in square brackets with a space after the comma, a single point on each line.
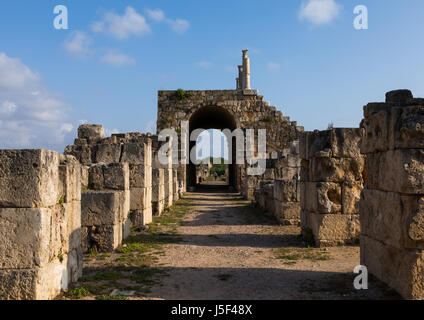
[169, 193]
[396, 170]
[70, 179]
[112, 176]
[329, 169]
[334, 229]
[140, 198]
[105, 238]
[82, 153]
[158, 191]
[323, 197]
[29, 178]
[108, 153]
[392, 218]
[340, 142]
[140, 176]
[100, 208]
[401, 269]
[84, 177]
[351, 194]
[34, 284]
[24, 237]
[136, 153]
[91, 132]
[175, 187]
[287, 190]
[141, 217]
[287, 213]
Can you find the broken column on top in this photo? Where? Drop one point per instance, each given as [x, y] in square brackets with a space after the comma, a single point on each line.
[331, 183]
[392, 202]
[40, 223]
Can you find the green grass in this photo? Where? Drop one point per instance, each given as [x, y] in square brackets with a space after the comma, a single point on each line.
[291, 255]
[109, 297]
[78, 293]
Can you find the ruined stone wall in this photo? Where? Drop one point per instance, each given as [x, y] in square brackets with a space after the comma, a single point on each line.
[279, 191]
[105, 207]
[391, 205]
[331, 182]
[40, 223]
[134, 148]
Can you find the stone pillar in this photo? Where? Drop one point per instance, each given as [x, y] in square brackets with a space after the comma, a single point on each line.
[246, 71]
[158, 192]
[331, 182]
[392, 203]
[105, 207]
[240, 78]
[40, 223]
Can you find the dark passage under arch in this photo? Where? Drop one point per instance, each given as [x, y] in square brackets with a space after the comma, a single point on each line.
[212, 117]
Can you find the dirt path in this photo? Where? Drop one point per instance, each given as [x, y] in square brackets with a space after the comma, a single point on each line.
[213, 245]
[229, 251]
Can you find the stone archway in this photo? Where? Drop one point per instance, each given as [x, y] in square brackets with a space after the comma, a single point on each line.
[212, 117]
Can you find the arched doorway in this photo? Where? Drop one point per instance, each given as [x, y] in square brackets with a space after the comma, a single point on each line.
[212, 117]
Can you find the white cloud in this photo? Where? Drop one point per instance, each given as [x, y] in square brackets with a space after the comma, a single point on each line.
[180, 26]
[273, 66]
[109, 132]
[150, 127]
[31, 116]
[131, 23]
[204, 64]
[78, 44]
[319, 12]
[156, 15]
[117, 59]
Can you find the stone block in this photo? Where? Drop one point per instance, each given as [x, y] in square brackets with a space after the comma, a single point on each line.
[112, 176]
[323, 197]
[116, 176]
[70, 179]
[140, 198]
[33, 284]
[328, 169]
[25, 237]
[334, 229]
[108, 153]
[397, 170]
[105, 238]
[287, 213]
[141, 217]
[351, 194]
[286, 190]
[140, 176]
[91, 131]
[402, 270]
[392, 218]
[136, 153]
[99, 208]
[29, 178]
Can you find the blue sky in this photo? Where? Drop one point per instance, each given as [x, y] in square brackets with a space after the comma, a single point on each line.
[314, 67]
